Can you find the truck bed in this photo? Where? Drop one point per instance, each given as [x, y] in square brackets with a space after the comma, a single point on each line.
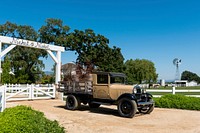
[75, 87]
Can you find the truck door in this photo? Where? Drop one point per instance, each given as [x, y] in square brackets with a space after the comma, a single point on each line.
[101, 88]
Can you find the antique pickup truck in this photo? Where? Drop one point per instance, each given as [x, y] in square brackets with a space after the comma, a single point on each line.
[107, 88]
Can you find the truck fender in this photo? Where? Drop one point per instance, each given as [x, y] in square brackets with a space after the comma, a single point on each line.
[149, 95]
[127, 95]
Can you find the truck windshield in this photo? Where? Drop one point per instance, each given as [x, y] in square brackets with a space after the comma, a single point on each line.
[118, 80]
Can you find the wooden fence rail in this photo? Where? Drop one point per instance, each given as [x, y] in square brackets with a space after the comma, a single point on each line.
[173, 91]
[29, 92]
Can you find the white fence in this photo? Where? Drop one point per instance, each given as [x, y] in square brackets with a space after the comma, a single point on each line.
[29, 92]
[2, 98]
[15, 92]
[173, 91]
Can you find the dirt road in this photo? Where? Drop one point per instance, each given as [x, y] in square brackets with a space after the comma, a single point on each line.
[106, 119]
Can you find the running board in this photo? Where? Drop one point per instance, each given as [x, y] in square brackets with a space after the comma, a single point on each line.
[102, 103]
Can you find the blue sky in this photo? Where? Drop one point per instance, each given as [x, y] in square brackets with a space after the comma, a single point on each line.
[157, 30]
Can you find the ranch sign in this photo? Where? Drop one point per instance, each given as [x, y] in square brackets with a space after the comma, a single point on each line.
[32, 44]
[27, 43]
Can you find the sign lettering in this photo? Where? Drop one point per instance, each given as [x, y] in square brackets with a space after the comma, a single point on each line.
[27, 43]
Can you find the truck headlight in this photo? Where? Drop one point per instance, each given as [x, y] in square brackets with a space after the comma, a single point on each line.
[134, 90]
[137, 89]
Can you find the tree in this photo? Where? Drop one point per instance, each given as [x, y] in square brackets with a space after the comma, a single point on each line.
[90, 47]
[110, 60]
[54, 32]
[94, 49]
[24, 61]
[187, 75]
[6, 67]
[139, 71]
[47, 79]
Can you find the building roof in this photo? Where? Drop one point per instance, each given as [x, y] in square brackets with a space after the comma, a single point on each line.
[112, 74]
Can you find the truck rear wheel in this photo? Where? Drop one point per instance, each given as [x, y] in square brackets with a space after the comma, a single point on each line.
[127, 107]
[72, 102]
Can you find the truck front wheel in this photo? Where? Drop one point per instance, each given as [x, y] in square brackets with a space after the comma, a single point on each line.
[72, 102]
[127, 107]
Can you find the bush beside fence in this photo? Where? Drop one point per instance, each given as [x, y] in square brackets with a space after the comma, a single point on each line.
[178, 101]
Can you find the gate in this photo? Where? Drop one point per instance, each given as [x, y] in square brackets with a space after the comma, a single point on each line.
[29, 92]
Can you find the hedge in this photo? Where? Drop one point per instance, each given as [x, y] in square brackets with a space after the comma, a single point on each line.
[23, 119]
[178, 102]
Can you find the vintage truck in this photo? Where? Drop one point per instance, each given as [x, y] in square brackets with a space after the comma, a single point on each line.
[107, 88]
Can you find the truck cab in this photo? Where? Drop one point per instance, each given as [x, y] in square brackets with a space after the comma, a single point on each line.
[110, 85]
[108, 88]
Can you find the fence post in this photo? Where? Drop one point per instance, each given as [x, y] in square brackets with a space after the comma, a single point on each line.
[36, 95]
[54, 90]
[173, 90]
[2, 98]
[31, 91]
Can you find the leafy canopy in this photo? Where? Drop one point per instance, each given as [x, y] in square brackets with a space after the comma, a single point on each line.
[92, 48]
[139, 71]
[190, 76]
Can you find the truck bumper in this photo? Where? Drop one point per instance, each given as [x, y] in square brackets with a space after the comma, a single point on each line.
[146, 103]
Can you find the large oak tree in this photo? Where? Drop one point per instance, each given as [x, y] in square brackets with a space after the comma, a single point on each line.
[90, 47]
[94, 48]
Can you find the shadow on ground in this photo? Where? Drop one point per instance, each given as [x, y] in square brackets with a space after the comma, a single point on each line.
[100, 110]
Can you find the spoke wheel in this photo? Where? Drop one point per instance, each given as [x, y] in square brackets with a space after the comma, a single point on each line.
[127, 108]
[72, 102]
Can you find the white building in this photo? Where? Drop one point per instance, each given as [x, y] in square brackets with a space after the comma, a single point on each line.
[185, 83]
[192, 83]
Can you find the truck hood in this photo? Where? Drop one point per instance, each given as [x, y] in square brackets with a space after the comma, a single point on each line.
[121, 87]
[118, 89]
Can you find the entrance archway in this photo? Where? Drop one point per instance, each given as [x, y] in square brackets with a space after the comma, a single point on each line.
[26, 43]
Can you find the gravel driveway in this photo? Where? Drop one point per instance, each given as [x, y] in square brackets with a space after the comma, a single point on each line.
[105, 119]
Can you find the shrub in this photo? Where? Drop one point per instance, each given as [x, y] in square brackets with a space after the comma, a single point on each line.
[23, 119]
[178, 102]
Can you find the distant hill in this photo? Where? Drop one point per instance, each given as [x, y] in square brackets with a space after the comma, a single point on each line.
[48, 72]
